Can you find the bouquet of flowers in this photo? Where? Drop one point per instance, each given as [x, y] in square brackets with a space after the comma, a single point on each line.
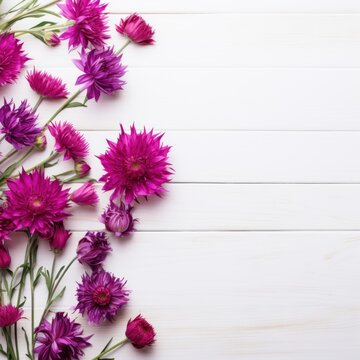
[35, 200]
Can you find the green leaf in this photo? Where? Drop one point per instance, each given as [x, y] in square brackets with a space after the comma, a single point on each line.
[27, 343]
[23, 302]
[58, 296]
[107, 345]
[49, 12]
[59, 272]
[39, 38]
[43, 23]
[8, 171]
[75, 104]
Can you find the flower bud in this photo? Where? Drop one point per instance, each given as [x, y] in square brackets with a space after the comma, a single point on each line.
[82, 168]
[140, 333]
[85, 195]
[5, 258]
[40, 142]
[60, 237]
[118, 219]
[52, 39]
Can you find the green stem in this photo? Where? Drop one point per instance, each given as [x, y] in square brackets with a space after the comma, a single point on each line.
[2, 138]
[51, 157]
[52, 274]
[45, 28]
[32, 264]
[53, 290]
[65, 173]
[116, 346]
[8, 155]
[40, 100]
[123, 47]
[10, 347]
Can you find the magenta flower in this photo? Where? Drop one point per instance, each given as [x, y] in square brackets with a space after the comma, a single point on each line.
[93, 249]
[6, 226]
[136, 29]
[103, 72]
[118, 219]
[35, 202]
[90, 23]
[52, 39]
[136, 165]
[12, 58]
[69, 141]
[82, 168]
[101, 295]
[61, 339]
[9, 315]
[5, 258]
[46, 85]
[18, 124]
[59, 237]
[85, 195]
[140, 333]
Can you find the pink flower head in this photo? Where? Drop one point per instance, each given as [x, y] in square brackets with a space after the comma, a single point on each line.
[82, 168]
[52, 39]
[136, 165]
[9, 315]
[101, 295]
[61, 339]
[93, 249]
[90, 23]
[35, 202]
[5, 258]
[69, 141]
[85, 195]
[46, 85]
[118, 219]
[12, 58]
[140, 333]
[59, 237]
[136, 29]
[102, 70]
[6, 226]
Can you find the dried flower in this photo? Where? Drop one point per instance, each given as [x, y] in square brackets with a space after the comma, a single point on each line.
[52, 39]
[85, 195]
[90, 23]
[69, 141]
[136, 165]
[40, 142]
[101, 295]
[140, 333]
[12, 58]
[46, 85]
[118, 219]
[35, 202]
[61, 339]
[59, 237]
[136, 29]
[9, 315]
[5, 258]
[6, 226]
[18, 124]
[103, 72]
[82, 168]
[93, 249]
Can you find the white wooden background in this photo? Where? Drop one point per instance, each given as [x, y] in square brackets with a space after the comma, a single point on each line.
[254, 252]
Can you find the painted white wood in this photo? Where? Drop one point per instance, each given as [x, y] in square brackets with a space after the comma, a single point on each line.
[235, 40]
[234, 295]
[204, 207]
[217, 98]
[214, 6]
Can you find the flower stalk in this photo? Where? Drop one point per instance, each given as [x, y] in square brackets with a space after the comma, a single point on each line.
[112, 348]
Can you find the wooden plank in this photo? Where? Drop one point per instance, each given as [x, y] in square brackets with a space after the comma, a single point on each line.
[213, 6]
[217, 98]
[201, 207]
[226, 295]
[235, 40]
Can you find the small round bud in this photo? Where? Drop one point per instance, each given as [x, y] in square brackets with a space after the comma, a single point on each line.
[40, 142]
[82, 168]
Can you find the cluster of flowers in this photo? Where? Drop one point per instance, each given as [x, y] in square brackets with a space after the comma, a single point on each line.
[37, 205]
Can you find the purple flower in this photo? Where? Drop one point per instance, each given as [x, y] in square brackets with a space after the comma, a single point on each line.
[103, 72]
[118, 219]
[12, 58]
[140, 333]
[18, 124]
[136, 165]
[69, 141]
[85, 195]
[9, 315]
[35, 202]
[93, 249]
[46, 85]
[136, 29]
[59, 237]
[90, 23]
[6, 226]
[101, 295]
[60, 339]
[5, 258]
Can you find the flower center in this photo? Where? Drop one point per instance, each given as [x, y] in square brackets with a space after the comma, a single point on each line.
[102, 296]
[35, 203]
[136, 168]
